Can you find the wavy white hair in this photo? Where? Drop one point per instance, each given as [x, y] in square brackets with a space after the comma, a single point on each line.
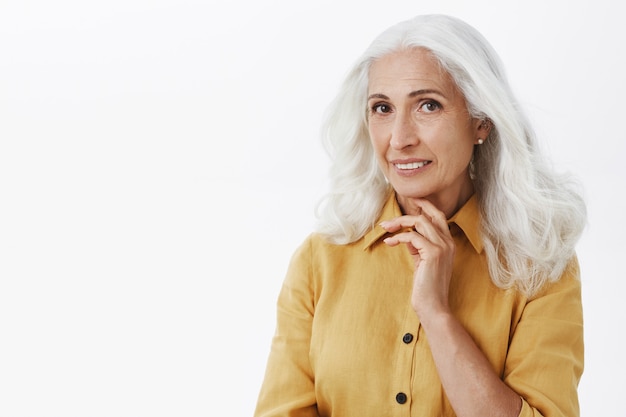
[532, 217]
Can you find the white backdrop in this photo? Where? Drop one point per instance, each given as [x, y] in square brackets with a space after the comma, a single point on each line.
[160, 162]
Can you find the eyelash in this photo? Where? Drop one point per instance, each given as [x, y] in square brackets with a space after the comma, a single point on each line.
[432, 102]
[376, 107]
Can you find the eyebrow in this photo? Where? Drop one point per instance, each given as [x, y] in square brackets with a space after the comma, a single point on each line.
[411, 94]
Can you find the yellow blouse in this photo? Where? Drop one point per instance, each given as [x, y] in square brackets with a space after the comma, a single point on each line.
[348, 343]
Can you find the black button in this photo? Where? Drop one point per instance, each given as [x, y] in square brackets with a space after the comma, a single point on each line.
[401, 397]
[407, 338]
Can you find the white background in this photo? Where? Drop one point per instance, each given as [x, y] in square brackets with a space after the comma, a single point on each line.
[160, 162]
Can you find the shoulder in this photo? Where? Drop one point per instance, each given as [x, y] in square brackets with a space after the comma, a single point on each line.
[560, 299]
[568, 281]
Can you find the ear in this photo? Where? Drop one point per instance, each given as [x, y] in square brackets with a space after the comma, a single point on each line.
[483, 128]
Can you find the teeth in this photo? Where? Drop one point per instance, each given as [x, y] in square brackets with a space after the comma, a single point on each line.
[412, 165]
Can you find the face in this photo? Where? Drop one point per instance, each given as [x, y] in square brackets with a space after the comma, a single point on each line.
[421, 131]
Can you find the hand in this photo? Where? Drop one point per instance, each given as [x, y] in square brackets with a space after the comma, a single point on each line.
[428, 239]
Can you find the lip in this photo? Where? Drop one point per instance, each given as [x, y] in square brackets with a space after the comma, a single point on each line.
[403, 168]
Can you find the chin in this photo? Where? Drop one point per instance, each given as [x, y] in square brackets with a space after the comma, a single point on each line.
[412, 192]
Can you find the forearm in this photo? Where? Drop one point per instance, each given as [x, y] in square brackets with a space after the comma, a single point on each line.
[472, 386]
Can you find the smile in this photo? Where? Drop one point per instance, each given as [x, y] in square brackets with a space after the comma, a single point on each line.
[412, 165]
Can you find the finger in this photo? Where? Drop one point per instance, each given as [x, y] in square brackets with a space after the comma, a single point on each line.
[425, 226]
[397, 223]
[436, 216]
[421, 223]
[423, 249]
[393, 241]
[414, 239]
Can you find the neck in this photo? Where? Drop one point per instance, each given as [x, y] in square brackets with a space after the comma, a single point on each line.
[448, 202]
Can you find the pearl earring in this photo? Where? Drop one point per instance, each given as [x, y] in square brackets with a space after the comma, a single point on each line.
[480, 141]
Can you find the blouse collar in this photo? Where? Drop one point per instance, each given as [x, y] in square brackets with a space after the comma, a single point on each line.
[466, 220]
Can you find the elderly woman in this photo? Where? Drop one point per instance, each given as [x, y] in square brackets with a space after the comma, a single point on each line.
[443, 279]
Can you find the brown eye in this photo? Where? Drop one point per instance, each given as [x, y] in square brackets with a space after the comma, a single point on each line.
[381, 108]
[430, 106]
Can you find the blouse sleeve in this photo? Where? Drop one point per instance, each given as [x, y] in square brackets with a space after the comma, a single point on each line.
[545, 359]
[288, 389]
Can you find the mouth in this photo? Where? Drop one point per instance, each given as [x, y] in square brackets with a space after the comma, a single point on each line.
[411, 165]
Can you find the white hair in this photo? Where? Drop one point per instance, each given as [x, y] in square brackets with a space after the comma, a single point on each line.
[531, 216]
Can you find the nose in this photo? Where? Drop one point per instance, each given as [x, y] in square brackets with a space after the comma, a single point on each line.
[404, 132]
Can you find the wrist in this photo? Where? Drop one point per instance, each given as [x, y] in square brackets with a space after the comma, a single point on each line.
[435, 317]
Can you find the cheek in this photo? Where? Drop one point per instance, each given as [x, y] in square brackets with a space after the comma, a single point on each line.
[378, 136]
[460, 156]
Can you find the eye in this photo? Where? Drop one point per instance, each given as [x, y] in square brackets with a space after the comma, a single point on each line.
[381, 108]
[430, 106]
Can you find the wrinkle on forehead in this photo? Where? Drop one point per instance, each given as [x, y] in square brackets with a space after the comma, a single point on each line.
[417, 67]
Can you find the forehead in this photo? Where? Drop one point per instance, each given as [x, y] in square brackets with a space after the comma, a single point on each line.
[409, 68]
